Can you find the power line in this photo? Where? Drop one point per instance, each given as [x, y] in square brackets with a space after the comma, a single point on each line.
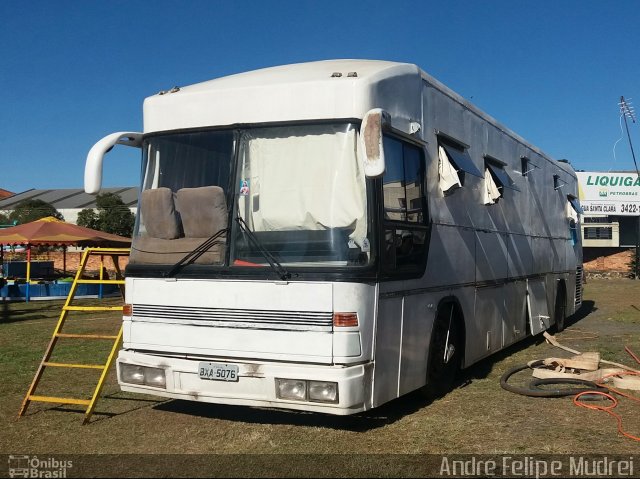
[627, 111]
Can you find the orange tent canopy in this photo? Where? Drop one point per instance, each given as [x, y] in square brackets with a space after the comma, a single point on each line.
[52, 231]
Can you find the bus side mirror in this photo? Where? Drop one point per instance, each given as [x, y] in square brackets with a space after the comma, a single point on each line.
[93, 166]
[371, 131]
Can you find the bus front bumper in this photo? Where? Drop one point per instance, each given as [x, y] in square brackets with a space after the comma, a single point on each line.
[256, 383]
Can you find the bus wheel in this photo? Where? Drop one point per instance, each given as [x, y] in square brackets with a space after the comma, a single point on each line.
[445, 354]
[560, 309]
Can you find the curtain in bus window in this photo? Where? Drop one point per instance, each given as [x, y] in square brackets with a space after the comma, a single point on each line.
[189, 161]
[303, 178]
[575, 208]
[449, 179]
[462, 160]
[572, 214]
[491, 192]
[499, 173]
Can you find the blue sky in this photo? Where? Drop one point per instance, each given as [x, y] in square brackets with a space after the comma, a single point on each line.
[74, 71]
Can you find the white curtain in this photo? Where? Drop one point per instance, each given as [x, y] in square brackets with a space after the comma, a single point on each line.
[303, 178]
[449, 178]
[572, 214]
[491, 192]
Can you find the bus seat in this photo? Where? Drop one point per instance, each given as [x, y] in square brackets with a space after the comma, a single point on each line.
[159, 213]
[203, 211]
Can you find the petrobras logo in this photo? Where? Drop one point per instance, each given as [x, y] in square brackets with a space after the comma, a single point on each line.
[34, 466]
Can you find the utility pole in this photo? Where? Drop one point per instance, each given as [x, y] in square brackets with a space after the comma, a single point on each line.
[627, 111]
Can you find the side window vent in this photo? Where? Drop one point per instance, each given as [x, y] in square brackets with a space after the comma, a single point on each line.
[496, 179]
[453, 163]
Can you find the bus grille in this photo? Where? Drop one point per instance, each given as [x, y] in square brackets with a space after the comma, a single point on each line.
[235, 318]
[579, 275]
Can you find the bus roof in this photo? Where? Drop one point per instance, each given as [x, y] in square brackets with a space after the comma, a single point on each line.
[303, 91]
[320, 90]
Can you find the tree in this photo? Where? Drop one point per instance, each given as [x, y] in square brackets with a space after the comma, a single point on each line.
[4, 219]
[88, 218]
[113, 216]
[31, 210]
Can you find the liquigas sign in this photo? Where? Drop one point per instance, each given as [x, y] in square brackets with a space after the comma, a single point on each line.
[609, 193]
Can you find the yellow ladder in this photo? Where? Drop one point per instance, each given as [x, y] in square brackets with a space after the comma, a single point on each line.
[114, 253]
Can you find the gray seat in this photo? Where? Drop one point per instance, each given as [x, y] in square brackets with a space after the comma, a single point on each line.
[203, 211]
[174, 230]
[159, 214]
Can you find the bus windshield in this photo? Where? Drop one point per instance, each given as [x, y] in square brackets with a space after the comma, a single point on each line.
[299, 192]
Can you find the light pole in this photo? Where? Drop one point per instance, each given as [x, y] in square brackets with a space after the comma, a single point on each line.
[627, 111]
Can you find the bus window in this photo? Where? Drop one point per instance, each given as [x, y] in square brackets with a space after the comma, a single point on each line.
[404, 204]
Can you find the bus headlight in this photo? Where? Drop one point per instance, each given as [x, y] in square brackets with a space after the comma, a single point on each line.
[155, 377]
[130, 373]
[323, 391]
[303, 390]
[291, 389]
[133, 374]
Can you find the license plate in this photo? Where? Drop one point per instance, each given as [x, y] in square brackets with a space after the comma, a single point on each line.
[218, 371]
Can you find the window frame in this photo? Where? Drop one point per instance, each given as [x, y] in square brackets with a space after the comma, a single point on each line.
[413, 270]
[459, 157]
[501, 177]
[527, 166]
[597, 230]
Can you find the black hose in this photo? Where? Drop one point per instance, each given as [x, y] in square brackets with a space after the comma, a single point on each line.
[535, 384]
[534, 391]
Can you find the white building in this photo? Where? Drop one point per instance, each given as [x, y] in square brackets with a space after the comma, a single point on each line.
[611, 223]
[69, 202]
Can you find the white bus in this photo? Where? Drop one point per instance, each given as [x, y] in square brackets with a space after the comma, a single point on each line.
[329, 236]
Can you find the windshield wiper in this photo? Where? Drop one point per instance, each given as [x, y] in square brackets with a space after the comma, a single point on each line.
[273, 262]
[196, 253]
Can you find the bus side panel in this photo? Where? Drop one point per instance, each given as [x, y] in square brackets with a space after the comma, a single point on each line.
[558, 255]
[514, 324]
[451, 257]
[542, 256]
[387, 347]
[520, 256]
[491, 256]
[489, 310]
[417, 323]
[572, 264]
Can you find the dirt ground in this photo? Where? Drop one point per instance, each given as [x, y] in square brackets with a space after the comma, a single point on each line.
[477, 417]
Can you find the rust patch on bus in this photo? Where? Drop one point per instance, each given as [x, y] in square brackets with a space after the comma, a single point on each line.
[253, 371]
[371, 143]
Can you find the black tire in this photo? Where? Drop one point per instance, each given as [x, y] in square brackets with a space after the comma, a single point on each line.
[560, 309]
[441, 374]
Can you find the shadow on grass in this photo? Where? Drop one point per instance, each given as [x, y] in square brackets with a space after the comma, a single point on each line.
[361, 422]
[586, 308]
[11, 312]
[98, 414]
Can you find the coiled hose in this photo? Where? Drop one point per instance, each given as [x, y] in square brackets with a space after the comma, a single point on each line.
[535, 391]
